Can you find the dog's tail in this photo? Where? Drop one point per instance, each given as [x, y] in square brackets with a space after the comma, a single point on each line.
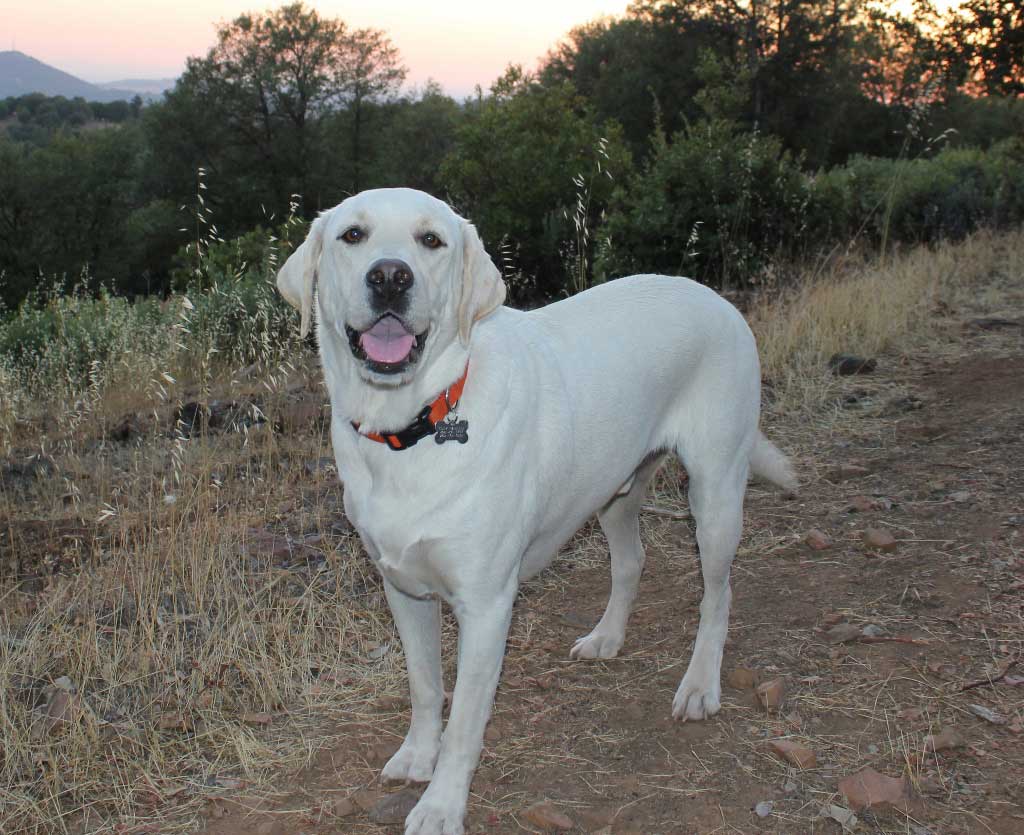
[768, 463]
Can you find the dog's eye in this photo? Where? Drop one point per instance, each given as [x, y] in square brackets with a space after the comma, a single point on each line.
[431, 241]
[352, 235]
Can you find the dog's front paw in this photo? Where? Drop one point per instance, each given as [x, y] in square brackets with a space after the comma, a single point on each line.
[411, 764]
[597, 645]
[436, 814]
[697, 698]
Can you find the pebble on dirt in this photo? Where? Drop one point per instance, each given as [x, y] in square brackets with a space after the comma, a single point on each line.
[845, 365]
[771, 693]
[861, 504]
[870, 790]
[847, 471]
[742, 679]
[393, 808]
[547, 817]
[944, 740]
[841, 633]
[879, 539]
[794, 753]
[817, 540]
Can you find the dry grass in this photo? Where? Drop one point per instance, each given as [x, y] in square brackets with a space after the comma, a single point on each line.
[863, 308]
[157, 644]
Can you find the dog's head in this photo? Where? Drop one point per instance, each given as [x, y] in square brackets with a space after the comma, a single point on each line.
[397, 275]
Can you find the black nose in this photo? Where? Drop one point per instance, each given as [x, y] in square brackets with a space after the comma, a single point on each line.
[389, 278]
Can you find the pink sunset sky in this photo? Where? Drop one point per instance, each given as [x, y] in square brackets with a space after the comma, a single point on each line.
[459, 43]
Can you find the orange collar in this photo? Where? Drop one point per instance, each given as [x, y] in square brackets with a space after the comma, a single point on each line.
[426, 422]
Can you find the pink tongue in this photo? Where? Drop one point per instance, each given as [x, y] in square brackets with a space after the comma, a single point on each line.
[387, 341]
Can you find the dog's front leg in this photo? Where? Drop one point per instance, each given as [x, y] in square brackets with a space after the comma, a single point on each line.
[419, 627]
[483, 630]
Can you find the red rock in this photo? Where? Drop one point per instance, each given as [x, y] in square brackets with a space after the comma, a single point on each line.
[841, 633]
[342, 808]
[879, 539]
[547, 817]
[380, 752]
[817, 540]
[742, 679]
[770, 693]
[366, 799]
[867, 789]
[944, 740]
[393, 808]
[845, 471]
[861, 504]
[793, 753]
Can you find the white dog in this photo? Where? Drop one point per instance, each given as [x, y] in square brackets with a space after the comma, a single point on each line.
[526, 423]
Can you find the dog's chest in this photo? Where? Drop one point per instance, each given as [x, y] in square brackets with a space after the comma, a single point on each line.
[397, 539]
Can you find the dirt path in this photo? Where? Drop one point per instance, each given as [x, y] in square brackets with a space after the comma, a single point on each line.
[932, 442]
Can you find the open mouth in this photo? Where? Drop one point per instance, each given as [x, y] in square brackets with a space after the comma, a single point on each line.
[388, 346]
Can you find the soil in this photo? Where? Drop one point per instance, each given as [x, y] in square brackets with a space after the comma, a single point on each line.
[934, 440]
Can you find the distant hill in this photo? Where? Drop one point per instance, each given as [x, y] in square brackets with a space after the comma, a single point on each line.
[21, 74]
[145, 87]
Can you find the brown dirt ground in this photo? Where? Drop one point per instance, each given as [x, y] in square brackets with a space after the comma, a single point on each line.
[939, 434]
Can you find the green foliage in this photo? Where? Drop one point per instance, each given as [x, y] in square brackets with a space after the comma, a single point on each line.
[292, 107]
[72, 345]
[55, 345]
[715, 203]
[66, 208]
[521, 156]
[259, 111]
[924, 199]
[40, 117]
[983, 46]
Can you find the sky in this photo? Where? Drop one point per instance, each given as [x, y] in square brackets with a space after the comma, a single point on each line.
[459, 43]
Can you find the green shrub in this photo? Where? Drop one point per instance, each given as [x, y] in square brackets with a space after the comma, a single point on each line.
[715, 203]
[927, 199]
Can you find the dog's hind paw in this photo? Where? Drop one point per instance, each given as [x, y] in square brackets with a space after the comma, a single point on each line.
[596, 645]
[696, 700]
[410, 765]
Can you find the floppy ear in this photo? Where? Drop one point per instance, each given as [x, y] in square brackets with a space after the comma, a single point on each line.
[297, 278]
[482, 288]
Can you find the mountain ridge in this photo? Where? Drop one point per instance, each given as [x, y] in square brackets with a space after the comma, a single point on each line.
[21, 74]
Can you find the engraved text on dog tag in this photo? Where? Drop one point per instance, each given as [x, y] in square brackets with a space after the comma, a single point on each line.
[451, 430]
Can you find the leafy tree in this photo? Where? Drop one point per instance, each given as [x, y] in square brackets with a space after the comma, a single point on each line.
[815, 70]
[640, 68]
[984, 46]
[421, 131]
[64, 208]
[374, 72]
[253, 110]
[534, 167]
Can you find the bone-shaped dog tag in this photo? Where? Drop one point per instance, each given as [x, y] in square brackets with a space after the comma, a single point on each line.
[451, 429]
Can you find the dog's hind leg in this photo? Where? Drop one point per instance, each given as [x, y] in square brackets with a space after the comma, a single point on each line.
[717, 485]
[620, 522]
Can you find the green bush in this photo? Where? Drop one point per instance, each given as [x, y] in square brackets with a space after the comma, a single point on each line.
[715, 203]
[927, 199]
[63, 345]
